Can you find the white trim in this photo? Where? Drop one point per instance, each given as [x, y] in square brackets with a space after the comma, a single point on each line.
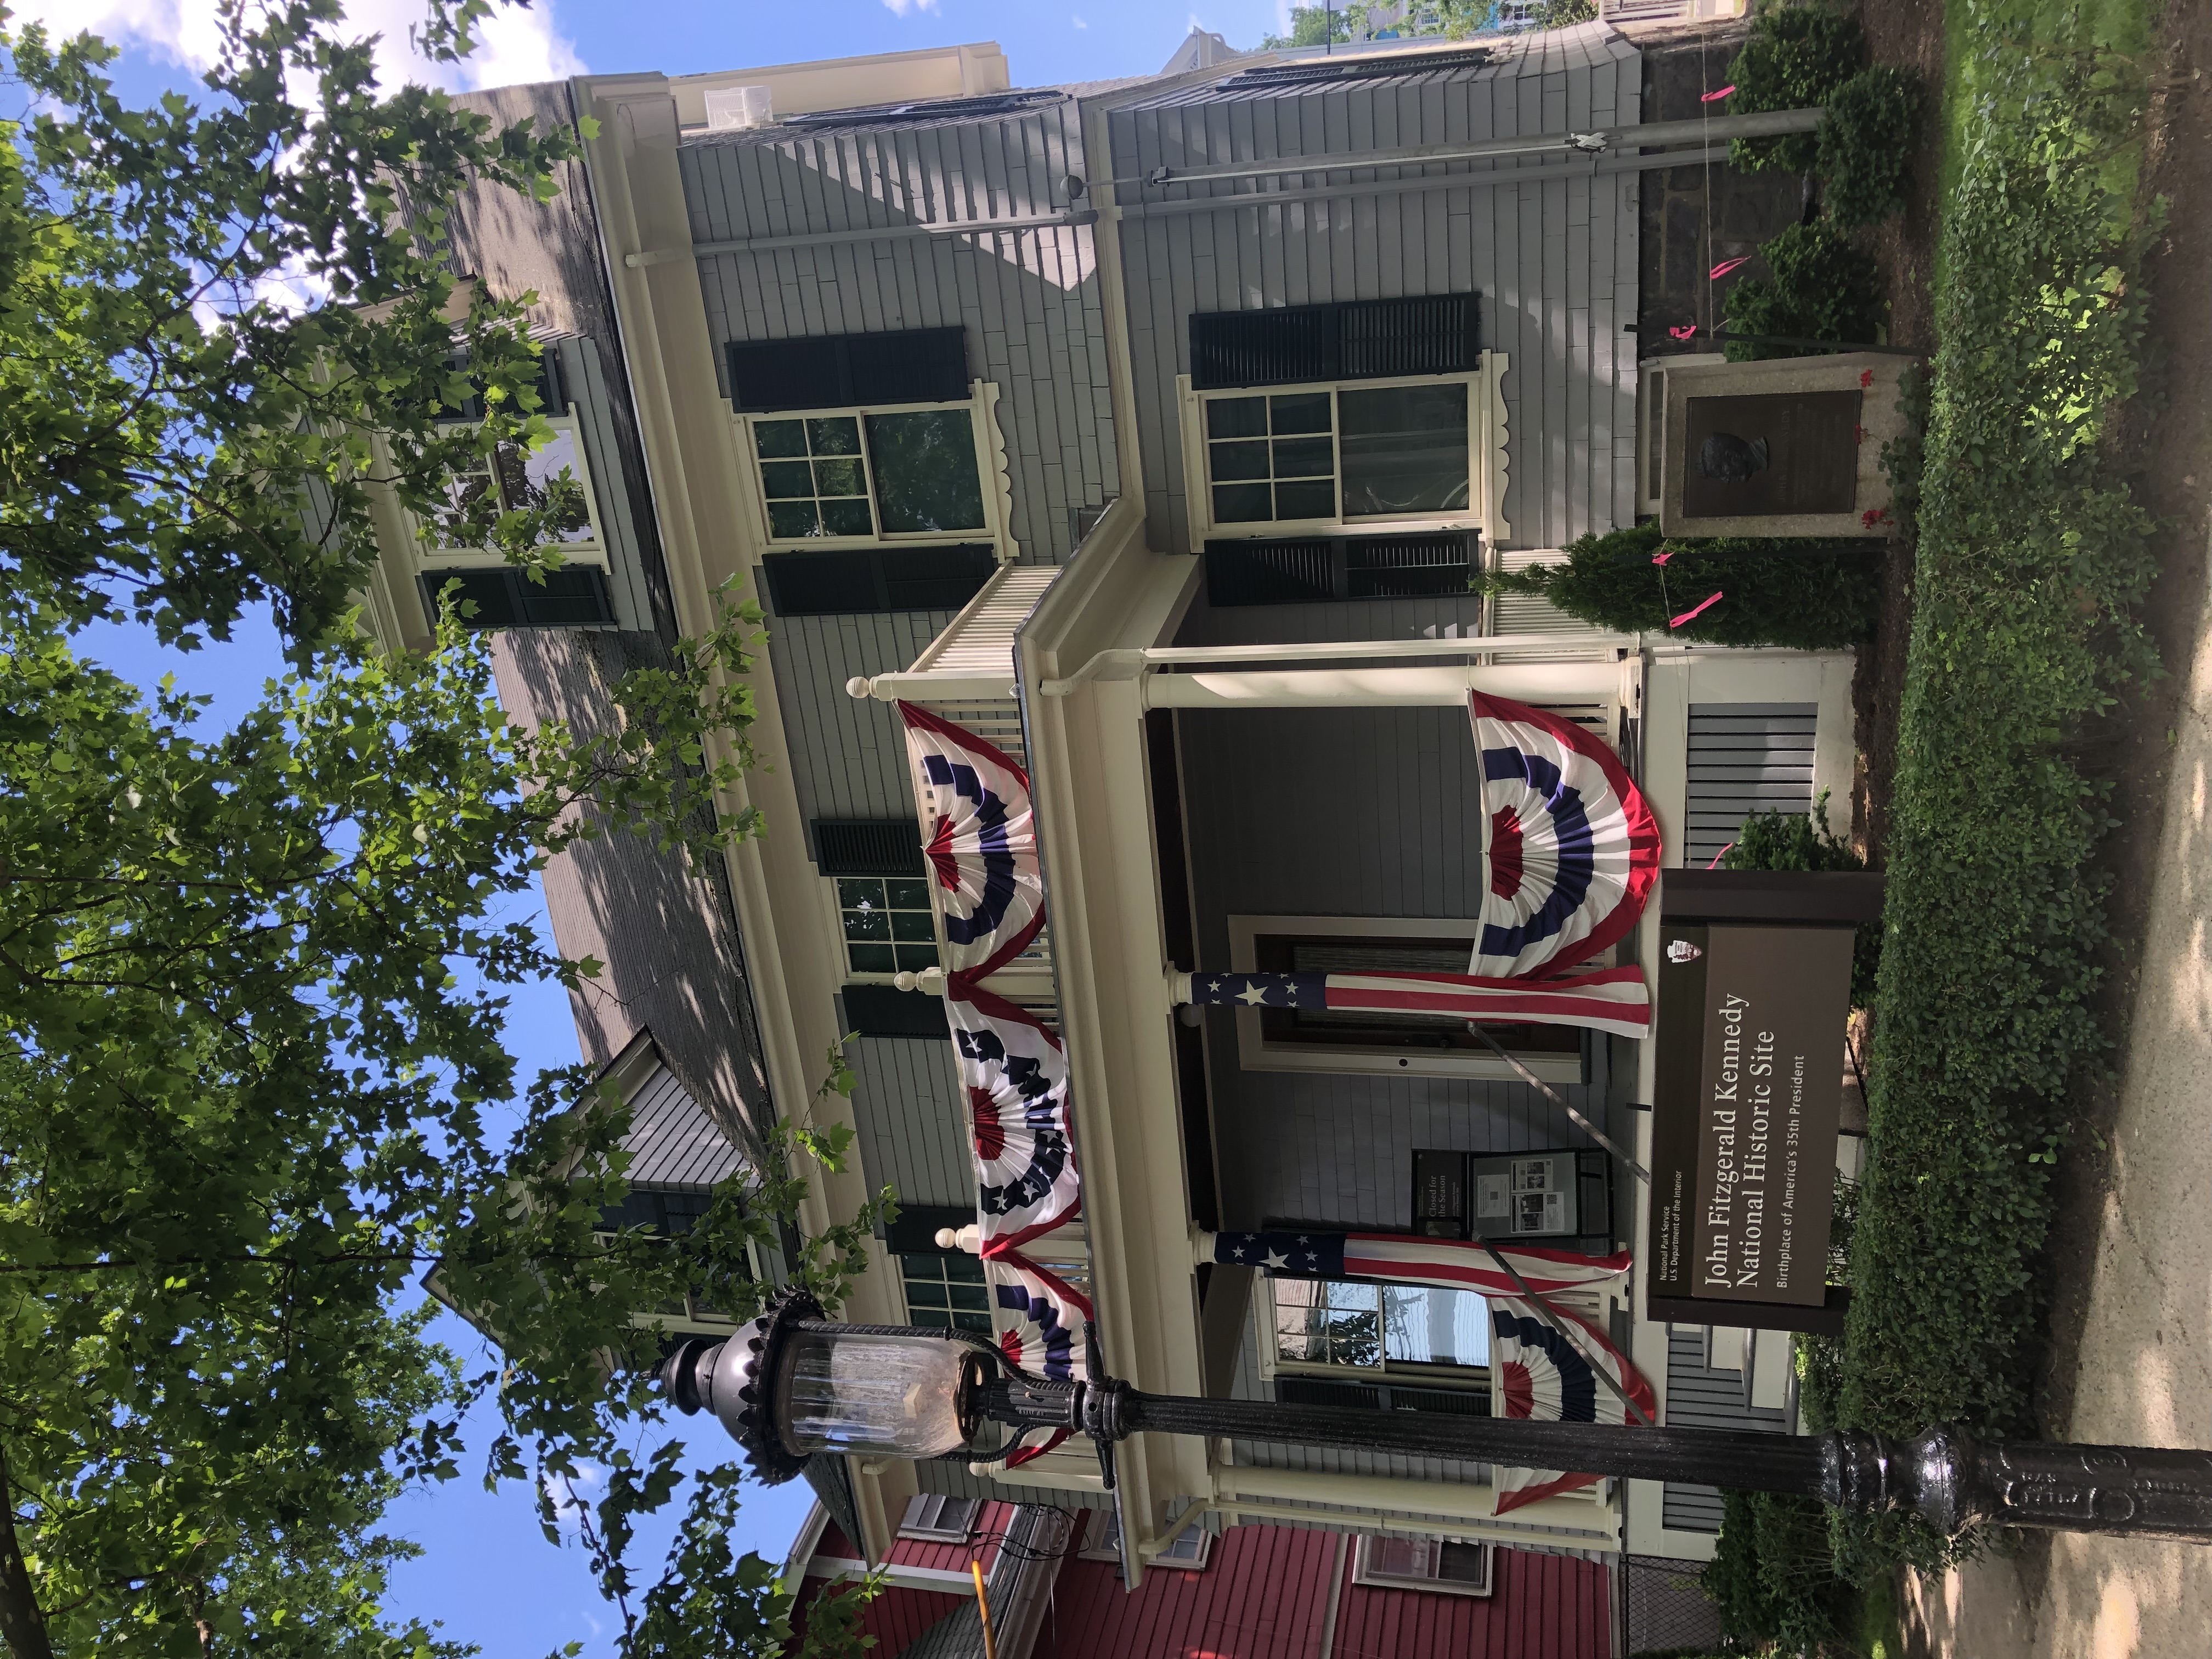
[994, 486]
[1486, 451]
[1255, 1053]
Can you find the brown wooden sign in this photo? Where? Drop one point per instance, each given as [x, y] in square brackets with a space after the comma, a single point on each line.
[1751, 1022]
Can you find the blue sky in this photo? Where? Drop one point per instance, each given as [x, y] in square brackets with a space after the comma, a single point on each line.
[488, 1574]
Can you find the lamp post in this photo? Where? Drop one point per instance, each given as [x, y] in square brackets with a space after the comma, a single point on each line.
[793, 1384]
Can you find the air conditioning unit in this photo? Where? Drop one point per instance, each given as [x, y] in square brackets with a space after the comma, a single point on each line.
[739, 109]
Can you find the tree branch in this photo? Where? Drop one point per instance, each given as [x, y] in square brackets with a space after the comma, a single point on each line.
[22, 1625]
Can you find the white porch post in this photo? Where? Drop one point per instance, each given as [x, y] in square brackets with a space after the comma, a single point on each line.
[1588, 681]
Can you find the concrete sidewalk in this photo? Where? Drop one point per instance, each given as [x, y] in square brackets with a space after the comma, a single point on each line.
[2144, 1374]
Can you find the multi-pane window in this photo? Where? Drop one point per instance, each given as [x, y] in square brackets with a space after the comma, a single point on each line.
[518, 480]
[946, 1289]
[1347, 452]
[1371, 1327]
[887, 924]
[866, 474]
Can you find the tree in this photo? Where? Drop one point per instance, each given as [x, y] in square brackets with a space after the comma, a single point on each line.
[251, 988]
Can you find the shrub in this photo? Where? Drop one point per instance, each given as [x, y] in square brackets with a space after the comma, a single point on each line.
[1865, 144]
[1796, 58]
[1824, 287]
[1795, 841]
[1814, 595]
[1772, 1577]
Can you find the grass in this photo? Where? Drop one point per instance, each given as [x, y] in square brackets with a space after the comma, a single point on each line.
[2030, 559]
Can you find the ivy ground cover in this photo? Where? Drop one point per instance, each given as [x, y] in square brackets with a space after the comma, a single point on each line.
[2032, 557]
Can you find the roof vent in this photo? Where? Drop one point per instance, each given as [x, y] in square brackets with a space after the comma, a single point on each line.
[739, 109]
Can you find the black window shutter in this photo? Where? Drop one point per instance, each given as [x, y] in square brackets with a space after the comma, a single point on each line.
[915, 366]
[835, 371]
[575, 597]
[1348, 340]
[886, 1011]
[1316, 569]
[868, 846]
[858, 581]
[915, 1232]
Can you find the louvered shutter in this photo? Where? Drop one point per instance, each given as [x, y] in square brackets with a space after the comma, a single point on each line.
[1348, 340]
[868, 846]
[866, 580]
[1312, 570]
[575, 597]
[837, 371]
[1269, 572]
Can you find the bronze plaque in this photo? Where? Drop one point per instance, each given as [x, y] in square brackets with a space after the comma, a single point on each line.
[1749, 1089]
[1771, 455]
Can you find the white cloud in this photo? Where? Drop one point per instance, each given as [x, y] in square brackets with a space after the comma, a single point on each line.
[516, 46]
[1079, 23]
[901, 8]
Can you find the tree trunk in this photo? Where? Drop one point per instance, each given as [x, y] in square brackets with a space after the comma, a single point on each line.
[22, 1625]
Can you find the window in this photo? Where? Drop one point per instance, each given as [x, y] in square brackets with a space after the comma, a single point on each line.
[1317, 569]
[1347, 1323]
[904, 472]
[1334, 1040]
[939, 1519]
[1348, 453]
[946, 1288]
[1423, 1563]
[1189, 1550]
[886, 922]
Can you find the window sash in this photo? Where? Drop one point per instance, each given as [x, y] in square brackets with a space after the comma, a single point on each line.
[877, 536]
[492, 475]
[1204, 487]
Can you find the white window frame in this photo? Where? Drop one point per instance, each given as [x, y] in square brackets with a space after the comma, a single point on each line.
[1467, 1379]
[991, 475]
[1365, 1573]
[924, 1519]
[1255, 1053]
[432, 554]
[835, 914]
[1191, 1550]
[1485, 444]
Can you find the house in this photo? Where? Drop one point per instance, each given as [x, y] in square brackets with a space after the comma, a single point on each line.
[1152, 430]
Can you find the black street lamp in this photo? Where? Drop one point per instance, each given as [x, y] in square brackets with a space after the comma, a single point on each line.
[793, 1384]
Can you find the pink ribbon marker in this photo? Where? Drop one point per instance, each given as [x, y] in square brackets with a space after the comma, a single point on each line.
[1661, 558]
[1718, 856]
[1696, 610]
[1715, 97]
[1727, 266]
[1687, 331]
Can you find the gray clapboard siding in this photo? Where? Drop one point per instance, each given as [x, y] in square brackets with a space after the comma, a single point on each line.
[1554, 259]
[1027, 299]
[1355, 812]
[913, 1130]
[671, 1141]
[601, 440]
[1699, 1397]
[847, 754]
[1745, 757]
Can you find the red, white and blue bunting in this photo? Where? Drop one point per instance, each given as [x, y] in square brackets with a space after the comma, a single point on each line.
[1045, 1339]
[982, 845]
[1409, 1259]
[1573, 850]
[1015, 1073]
[1536, 1373]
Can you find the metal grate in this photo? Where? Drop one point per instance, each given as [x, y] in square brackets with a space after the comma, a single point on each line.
[1347, 340]
[841, 371]
[867, 847]
[1661, 1609]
